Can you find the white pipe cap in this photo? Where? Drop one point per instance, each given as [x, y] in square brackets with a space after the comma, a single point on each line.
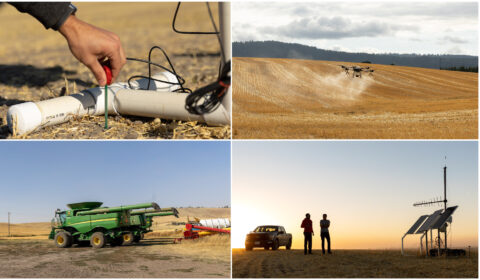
[27, 117]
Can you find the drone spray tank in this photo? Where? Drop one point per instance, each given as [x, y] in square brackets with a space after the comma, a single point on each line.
[161, 101]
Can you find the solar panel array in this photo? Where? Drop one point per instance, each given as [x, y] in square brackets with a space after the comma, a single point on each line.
[417, 224]
[430, 220]
[433, 221]
[444, 217]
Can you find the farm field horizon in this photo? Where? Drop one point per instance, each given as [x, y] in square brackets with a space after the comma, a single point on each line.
[295, 99]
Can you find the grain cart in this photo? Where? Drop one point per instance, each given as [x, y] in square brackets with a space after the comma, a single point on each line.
[88, 222]
[142, 220]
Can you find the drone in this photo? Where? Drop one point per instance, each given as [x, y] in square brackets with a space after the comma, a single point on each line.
[356, 70]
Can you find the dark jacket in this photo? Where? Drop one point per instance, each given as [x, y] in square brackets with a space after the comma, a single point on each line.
[50, 14]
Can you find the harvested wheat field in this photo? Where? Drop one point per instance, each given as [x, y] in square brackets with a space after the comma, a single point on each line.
[348, 264]
[36, 64]
[29, 254]
[288, 98]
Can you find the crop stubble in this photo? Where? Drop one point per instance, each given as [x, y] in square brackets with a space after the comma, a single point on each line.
[286, 98]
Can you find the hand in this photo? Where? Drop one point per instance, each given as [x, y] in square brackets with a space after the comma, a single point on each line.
[91, 45]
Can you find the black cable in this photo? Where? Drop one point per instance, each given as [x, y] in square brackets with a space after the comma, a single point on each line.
[180, 79]
[201, 33]
[208, 98]
[203, 100]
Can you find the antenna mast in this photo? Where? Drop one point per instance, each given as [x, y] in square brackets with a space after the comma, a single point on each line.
[439, 201]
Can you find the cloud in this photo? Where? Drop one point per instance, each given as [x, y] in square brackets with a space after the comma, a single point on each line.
[245, 32]
[455, 50]
[334, 28]
[452, 39]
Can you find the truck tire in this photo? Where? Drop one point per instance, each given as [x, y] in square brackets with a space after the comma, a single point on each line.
[63, 239]
[248, 248]
[289, 245]
[275, 244]
[127, 238]
[97, 240]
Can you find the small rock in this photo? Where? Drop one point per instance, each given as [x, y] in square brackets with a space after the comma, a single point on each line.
[131, 135]
[138, 122]
[157, 121]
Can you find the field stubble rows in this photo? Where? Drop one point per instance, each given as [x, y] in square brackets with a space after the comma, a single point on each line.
[285, 98]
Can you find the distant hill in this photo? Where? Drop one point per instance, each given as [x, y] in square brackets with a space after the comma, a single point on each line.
[274, 49]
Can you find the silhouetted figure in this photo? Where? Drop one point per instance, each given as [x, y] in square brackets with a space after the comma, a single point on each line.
[307, 232]
[324, 234]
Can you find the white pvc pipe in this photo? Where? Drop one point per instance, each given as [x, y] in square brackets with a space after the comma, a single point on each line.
[167, 105]
[402, 243]
[160, 102]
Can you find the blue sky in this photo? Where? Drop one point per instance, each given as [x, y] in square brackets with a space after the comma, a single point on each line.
[427, 27]
[367, 188]
[39, 177]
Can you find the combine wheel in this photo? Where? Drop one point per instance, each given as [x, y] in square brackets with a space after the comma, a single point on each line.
[97, 240]
[137, 238]
[63, 239]
[128, 238]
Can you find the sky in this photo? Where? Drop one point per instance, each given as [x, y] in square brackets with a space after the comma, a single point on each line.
[366, 188]
[39, 177]
[366, 26]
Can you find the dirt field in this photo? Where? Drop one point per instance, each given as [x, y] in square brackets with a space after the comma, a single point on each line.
[348, 264]
[36, 64]
[285, 98]
[30, 254]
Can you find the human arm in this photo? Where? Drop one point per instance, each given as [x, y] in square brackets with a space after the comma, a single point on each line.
[50, 14]
[90, 45]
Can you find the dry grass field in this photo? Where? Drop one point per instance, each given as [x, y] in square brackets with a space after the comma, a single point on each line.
[348, 264]
[29, 254]
[286, 98]
[36, 64]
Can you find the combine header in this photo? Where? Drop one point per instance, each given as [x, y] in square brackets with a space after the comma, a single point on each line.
[206, 227]
[87, 222]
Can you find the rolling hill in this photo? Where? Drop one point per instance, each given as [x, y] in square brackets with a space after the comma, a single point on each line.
[292, 98]
[275, 49]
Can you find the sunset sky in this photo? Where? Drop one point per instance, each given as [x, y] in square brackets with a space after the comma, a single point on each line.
[366, 188]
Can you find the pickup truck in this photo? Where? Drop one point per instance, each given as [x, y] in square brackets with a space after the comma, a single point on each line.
[268, 236]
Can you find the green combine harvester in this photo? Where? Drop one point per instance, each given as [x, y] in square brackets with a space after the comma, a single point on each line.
[87, 222]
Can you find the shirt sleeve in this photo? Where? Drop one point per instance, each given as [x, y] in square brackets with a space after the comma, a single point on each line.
[49, 14]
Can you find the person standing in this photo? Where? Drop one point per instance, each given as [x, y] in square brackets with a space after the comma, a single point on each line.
[324, 233]
[307, 233]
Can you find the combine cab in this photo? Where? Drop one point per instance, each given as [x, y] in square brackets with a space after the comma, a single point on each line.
[87, 222]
